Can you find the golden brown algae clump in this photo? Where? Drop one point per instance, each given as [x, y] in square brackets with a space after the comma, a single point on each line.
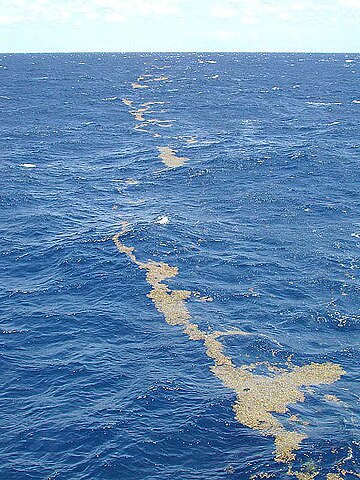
[127, 102]
[258, 396]
[168, 156]
[138, 85]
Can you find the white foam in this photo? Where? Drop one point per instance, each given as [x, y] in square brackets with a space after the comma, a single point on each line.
[163, 220]
[323, 104]
[27, 165]
[355, 101]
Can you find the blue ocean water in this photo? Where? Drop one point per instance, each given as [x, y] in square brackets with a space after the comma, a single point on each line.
[263, 218]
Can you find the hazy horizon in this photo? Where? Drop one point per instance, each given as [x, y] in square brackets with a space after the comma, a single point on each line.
[224, 52]
[304, 26]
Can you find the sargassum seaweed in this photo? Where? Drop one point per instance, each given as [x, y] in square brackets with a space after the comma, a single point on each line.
[258, 397]
[169, 157]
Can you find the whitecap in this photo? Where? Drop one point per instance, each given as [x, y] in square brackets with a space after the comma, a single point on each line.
[323, 104]
[162, 220]
[27, 165]
[11, 332]
[355, 101]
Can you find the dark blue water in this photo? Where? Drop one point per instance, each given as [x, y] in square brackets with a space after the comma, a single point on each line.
[264, 218]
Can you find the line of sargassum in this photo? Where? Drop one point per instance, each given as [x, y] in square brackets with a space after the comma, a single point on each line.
[258, 397]
[166, 154]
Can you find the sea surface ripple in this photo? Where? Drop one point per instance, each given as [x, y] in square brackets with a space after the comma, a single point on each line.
[261, 216]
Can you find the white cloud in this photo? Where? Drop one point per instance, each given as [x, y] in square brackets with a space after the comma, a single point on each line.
[158, 7]
[226, 34]
[64, 10]
[251, 11]
[221, 11]
[244, 11]
[10, 19]
[249, 18]
[115, 17]
[353, 4]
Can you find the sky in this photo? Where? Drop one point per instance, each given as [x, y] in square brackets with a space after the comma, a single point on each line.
[180, 25]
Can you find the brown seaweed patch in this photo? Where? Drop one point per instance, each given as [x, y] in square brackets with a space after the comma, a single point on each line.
[127, 102]
[307, 472]
[138, 114]
[138, 85]
[296, 419]
[160, 79]
[148, 104]
[306, 475]
[148, 78]
[333, 476]
[350, 472]
[144, 77]
[332, 398]
[145, 107]
[258, 396]
[169, 157]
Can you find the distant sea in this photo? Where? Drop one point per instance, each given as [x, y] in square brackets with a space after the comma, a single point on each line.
[179, 266]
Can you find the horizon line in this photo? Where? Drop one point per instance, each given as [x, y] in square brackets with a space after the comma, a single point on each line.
[182, 51]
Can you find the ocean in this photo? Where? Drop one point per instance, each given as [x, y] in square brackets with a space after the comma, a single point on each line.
[179, 266]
